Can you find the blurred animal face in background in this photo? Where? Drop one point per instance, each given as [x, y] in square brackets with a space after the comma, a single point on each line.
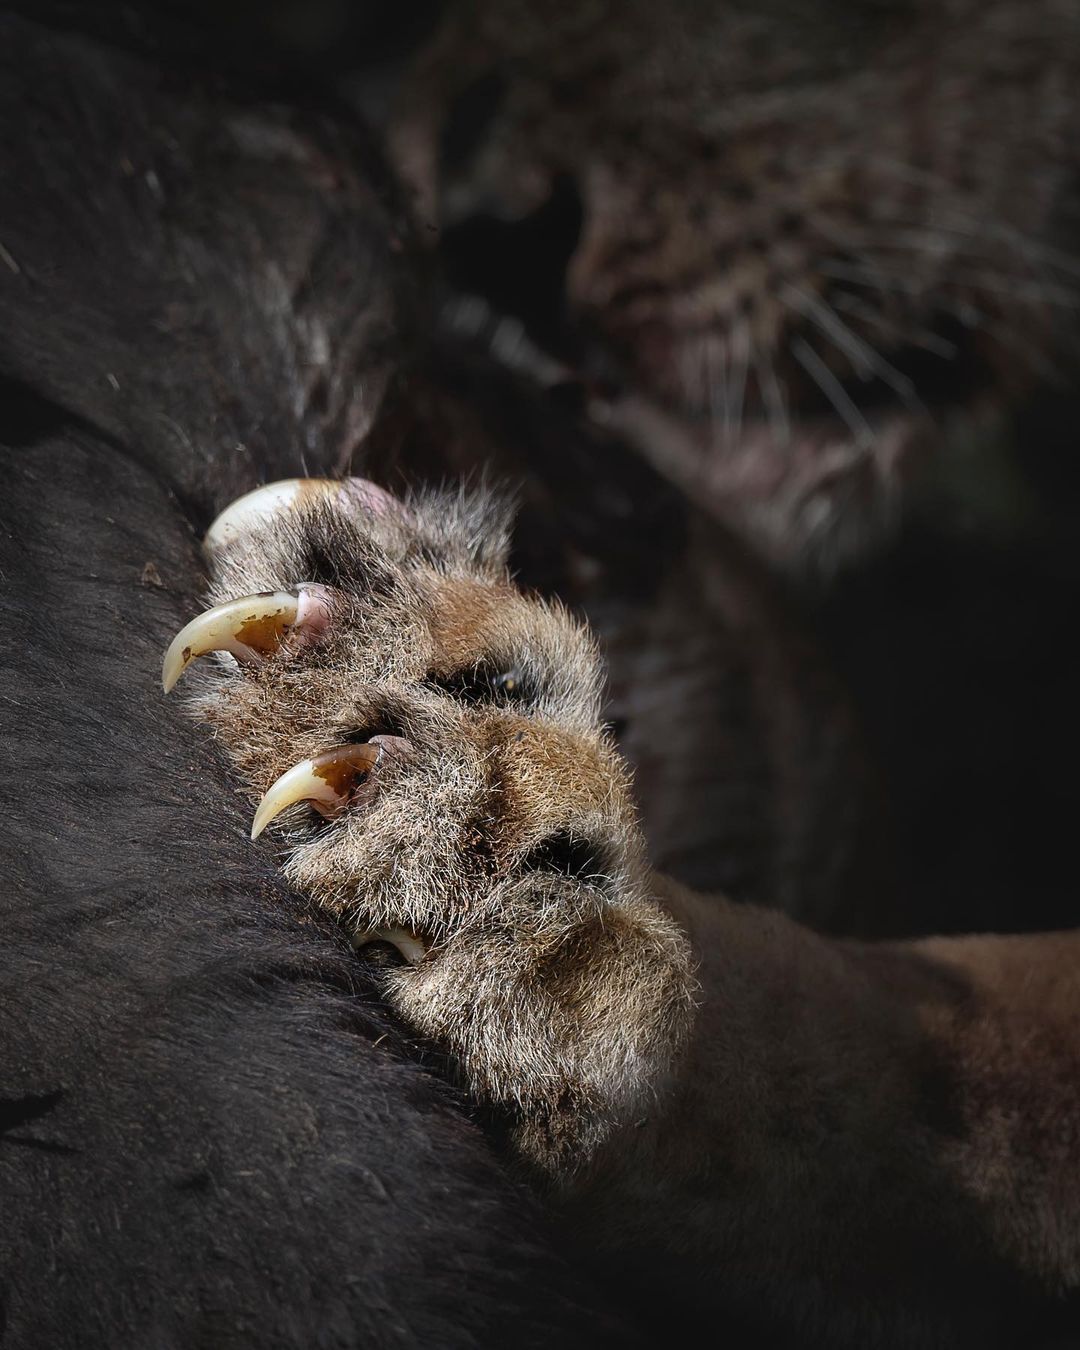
[793, 246]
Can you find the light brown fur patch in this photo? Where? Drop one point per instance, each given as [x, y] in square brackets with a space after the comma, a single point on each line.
[507, 837]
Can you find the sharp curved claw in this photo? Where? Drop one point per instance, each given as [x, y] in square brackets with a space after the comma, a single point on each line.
[255, 508]
[329, 782]
[251, 628]
[260, 505]
[412, 948]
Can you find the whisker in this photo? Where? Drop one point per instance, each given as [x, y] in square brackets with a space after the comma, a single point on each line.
[975, 220]
[716, 381]
[1054, 294]
[916, 337]
[864, 359]
[865, 274]
[1002, 332]
[973, 223]
[834, 391]
[740, 351]
[957, 227]
[773, 396]
[960, 270]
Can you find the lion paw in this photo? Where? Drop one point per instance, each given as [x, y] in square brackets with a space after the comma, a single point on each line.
[426, 745]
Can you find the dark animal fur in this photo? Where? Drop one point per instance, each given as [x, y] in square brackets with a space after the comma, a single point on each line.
[236, 279]
[861, 1146]
[210, 1132]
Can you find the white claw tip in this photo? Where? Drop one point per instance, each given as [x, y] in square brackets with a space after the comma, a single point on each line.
[411, 947]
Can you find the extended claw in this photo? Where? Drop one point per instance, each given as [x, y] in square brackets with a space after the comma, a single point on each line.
[412, 949]
[251, 628]
[329, 781]
[255, 508]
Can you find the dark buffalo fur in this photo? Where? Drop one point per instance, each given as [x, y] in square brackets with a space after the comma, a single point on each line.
[210, 1132]
[223, 287]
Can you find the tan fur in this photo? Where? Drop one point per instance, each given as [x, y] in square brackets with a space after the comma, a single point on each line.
[883, 1129]
[815, 1132]
[564, 997]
